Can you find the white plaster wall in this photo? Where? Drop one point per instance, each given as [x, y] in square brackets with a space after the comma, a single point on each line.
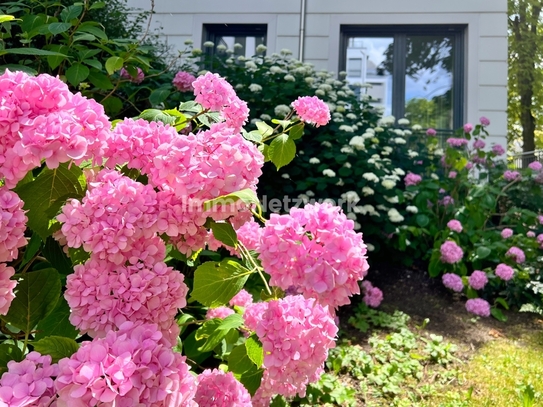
[485, 40]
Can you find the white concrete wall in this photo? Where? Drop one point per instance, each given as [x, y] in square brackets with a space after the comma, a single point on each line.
[485, 39]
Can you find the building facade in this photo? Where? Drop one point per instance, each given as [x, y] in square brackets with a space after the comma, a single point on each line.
[439, 63]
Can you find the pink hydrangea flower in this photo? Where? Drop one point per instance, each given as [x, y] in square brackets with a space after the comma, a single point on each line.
[468, 127]
[219, 389]
[540, 219]
[511, 175]
[446, 200]
[453, 174]
[296, 334]
[316, 250]
[450, 252]
[29, 382]
[498, 149]
[102, 296]
[140, 76]
[212, 91]
[478, 280]
[412, 179]
[479, 144]
[453, 282]
[312, 110]
[478, 306]
[6, 287]
[219, 312]
[468, 166]
[373, 296]
[455, 225]
[535, 166]
[484, 121]
[457, 142]
[12, 224]
[431, 132]
[516, 254]
[241, 299]
[530, 234]
[134, 366]
[505, 272]
[183, 81]
[506, 233]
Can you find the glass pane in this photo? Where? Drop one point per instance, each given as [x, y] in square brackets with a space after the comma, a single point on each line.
[248, 44]
[367, 64]
[429, 81]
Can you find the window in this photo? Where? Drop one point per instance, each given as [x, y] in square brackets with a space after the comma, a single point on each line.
[249, 36]
[414, 71]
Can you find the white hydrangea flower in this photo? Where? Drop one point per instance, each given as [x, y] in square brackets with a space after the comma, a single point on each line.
[387, 121]
[231, 61]
[367, 191]
[346, 150]
[351, 216]
[237, 45]
[320, 92]
[241, 58]
[221, 47]
[357, 142]
[350, 196]
[351, 116]
[281, 110]
[392, 199]
[255, 120]
[439, 152]
[392, 177]
[189, 42]
[407, 132]
[285, 176]
[345, 128]
[289, 78]
[240, 86]
[347, 164]
[395, 216]
[255, 87]
[209, 44]
[412, 154]
[399, 132]
[301, 152]
[339, 183]
[365, 210]
[370, 247]
[370, 176]
[310, 193]
[412, 209]
[202, 72]
[409, 194]
[382, 208]
[326, 143]
[260, 48]
[197, 52]
[403, 121]
[388, 184]
[434, 176]
[304, 198]
[340, 108]
[398, 171]
[367, 136]
[310, 80]
[379, 129]
[314, 160]
[399, 140]
[342, 94]
[328, 173]
[265, 117]
[250, 65]
[275, 69]
[286, 51]
[357, 226]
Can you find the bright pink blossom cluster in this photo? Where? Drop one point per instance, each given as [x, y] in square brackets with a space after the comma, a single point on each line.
[373, 296]
[219, 389]
[412, 179]
[511, 175]
[6, 287]
[29, 382]
[457, 142]
[506, 233]
[102, 296]
[535, 166]
[478, 280]
[134, 366]
[12, 225]
[431, 132]
[516, 254]
[137, 78]
[505, 272]
[315, 251]
[249, 234]
[478, 306]
[454, 225]
[453, 282]
[40, 119]
[241, 299]
[296, 334]
[219, 312]
[468, 127]
[450, 252]
[312, 110]
[183, 81]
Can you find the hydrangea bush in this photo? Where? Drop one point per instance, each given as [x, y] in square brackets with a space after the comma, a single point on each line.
[112, 293]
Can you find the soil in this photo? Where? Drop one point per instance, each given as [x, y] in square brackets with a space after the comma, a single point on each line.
[415, 293]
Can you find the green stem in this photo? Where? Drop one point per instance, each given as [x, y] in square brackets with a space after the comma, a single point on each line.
[245, 253]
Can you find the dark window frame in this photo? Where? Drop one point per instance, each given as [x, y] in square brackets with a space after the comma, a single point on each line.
[399, 33]
[210, 32]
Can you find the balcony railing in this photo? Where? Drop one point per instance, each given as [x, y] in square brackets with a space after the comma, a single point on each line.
[522, 160]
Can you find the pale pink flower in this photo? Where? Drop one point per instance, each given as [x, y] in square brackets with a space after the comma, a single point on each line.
[530, 234]
[498, 149]
[453, 282]
[219, 312]
[219, 389]
[506, 233]
[505, 272]
[431, 132]
[468, 127]
[241, 299]
[138, 78]
[457, 142]
[183, 81]
[478, 280]
[453, 174]
[312, 110]
[455, 225]
[479, 144]
[450, 252]
[12, 225]
[6, 287]
[516, 254]
[484, 121]
[373, 296]
[535, 166]
[478, 306]
[511, 175]
[412, 179]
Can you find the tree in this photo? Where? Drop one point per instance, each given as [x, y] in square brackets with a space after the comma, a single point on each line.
[525, 70]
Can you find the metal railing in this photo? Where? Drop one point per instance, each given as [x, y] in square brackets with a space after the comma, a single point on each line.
[522, 160]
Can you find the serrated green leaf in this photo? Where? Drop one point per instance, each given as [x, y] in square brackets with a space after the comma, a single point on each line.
[157, 115]
[30, 51]
[247, 195]
[42, 195]
[100, 80]
[36, 295]
[282, 151]
[94, 63]
[216, 283]
[265, 150]
[225, 233]
[83, 37]
[252, 379]
[483, 252]
[57, 347]
[238, 360]
[113, 105]
[55, 60]
[31, 249]
[58, 28]
[113, 64]
[255, 350]
[215, 330]
[264, 129]
[100, 4]
[57, 323]
[253, 136]
[77, 73]
[9, 352]
[422, 220]
[158, 96]
[502, 302]
[498, 314]
[93, 30]
[184, 320]
[71, 12]
[56, 257]
[296, 132]
[284, 123]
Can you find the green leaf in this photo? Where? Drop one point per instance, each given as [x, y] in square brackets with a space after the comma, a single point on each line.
[47, 193]
[252, 379]
[498, 314]
[93, 30]
[57, 28]
[265, 150]
[158, 96]
[225, 233]
[284, 123]
[55, 60]
[296, 132]
[264, 129]
[253, 136]
[215, 330]
[83, 37]
[157, 115]
[100, 4]
[113, 64]
[100, 80]
[18, 67]
[5, 18]
[93, 63]
[30, 22]
[435, 266]
[57, 323]
[216, 283]
[239, 361]
[77, 73]
[502, 302]
[57, 347]
[422, 220]
[9, 352]
[483, 252]
[255, 350]
[184, 320]
[113, 105]
[282, 150]
[30, 51]
[247, 195]
[36, 295]
[71, 12]
[32, 248]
